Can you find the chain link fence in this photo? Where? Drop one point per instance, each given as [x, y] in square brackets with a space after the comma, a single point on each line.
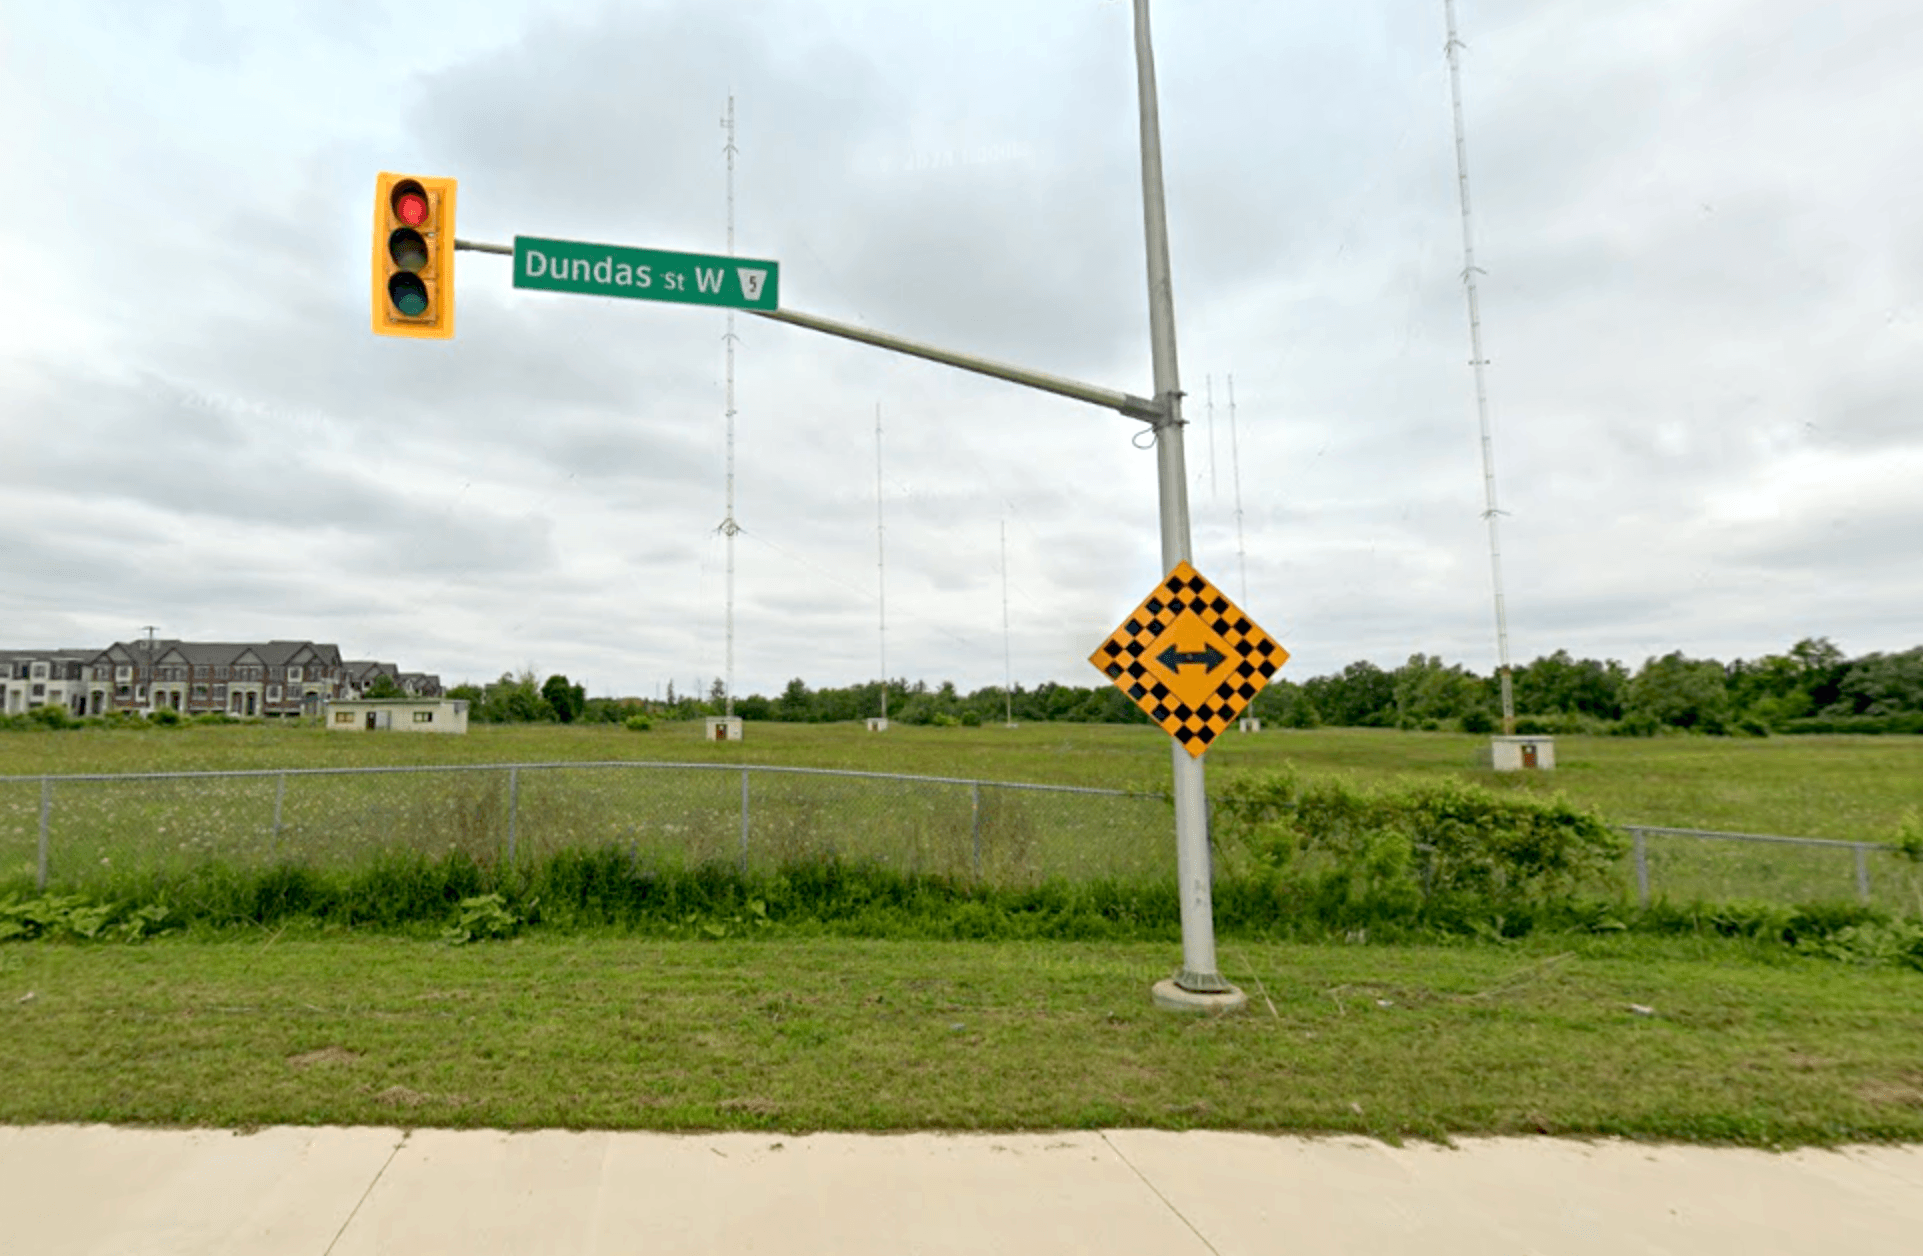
[74, 832]
[1690, 865]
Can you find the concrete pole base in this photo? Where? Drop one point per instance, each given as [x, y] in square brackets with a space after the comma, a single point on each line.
[1172, 998]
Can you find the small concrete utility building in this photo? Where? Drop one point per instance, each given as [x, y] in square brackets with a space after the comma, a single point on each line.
[1522, 754]
[399, 715]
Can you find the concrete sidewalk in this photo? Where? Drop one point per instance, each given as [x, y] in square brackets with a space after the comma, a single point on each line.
[97, 1189]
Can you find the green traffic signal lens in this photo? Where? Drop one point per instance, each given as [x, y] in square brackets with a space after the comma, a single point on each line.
[408, 294]
[408, 249]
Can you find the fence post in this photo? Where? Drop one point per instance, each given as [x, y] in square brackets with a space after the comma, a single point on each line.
[1862, 872]
[46, 817]
[976, 824]
[1642, 867]
[744, 822]
[280, 796]
[513, 809]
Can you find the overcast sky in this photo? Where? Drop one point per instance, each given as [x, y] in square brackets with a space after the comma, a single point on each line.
[1702, 227]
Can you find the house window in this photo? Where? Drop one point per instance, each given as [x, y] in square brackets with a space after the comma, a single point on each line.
[293, 673]
[200, 691]
[423, 717]
[123, 672]
[343, 717]
[273, 693]
[39, 671]
[220, 691]
[39, 691]
[220, 673]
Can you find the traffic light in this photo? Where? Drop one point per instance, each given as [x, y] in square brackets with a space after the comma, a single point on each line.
[413, 257]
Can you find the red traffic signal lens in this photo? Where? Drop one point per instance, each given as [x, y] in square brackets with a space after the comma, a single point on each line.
[408, 294]
[410, 203]
[408, 249]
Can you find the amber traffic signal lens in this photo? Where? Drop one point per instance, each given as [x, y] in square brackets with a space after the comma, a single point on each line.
[408, 249]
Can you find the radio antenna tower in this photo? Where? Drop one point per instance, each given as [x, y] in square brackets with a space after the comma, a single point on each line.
[729, 528]
[1008, 667]
[881, 571]
[1477, 362]
[1235, 470]
[1208, 392]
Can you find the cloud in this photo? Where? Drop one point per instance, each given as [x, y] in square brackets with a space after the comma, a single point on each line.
[1700, 230]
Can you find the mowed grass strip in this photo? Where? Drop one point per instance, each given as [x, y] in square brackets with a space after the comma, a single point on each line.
[1687, 1040]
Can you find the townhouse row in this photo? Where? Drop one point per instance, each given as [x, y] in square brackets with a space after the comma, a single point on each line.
[251, 680]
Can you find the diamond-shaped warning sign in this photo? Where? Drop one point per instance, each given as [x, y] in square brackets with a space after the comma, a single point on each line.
[1190, 658]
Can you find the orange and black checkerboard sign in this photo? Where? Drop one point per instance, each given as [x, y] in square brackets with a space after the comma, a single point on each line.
[1190, 658]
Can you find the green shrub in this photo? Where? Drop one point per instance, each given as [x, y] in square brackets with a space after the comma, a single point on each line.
[484, 917]
[117, 719]
[52, 715]
[637, 723]
[1873, 943]
[165, 717]
[1416, 844]
[1907, 840]
[1903, 722]
[78, 918]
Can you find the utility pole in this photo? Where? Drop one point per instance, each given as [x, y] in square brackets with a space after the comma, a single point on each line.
[1198, 986]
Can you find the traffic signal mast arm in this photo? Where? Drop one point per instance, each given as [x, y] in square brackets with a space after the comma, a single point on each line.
[1126, 403]
[1134, 407]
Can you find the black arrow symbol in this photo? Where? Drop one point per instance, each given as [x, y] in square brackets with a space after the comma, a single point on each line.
[1209, 657]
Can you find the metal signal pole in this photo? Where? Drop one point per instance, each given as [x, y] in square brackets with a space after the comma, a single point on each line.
[1198, 985]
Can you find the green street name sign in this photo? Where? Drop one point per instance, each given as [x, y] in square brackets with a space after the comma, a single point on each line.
[610, 270]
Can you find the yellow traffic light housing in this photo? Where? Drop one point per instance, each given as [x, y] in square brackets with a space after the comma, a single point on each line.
[413, 291]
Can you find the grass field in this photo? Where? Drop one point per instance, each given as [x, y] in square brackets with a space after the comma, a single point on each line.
[1840, 788]
[1735, 1041]
[1851, 788]
[1722, 1044]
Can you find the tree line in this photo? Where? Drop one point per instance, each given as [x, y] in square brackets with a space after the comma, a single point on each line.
[1810, 688]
